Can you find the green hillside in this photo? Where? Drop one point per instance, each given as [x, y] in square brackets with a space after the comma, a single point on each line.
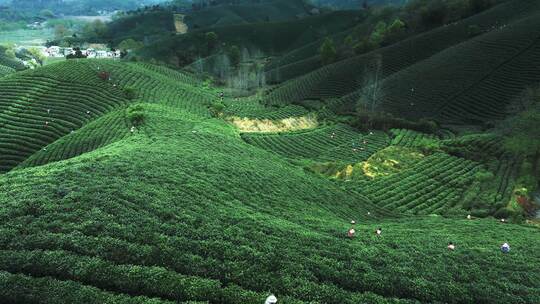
[493, 69]
[146, 26]
[268, 38]
[5, 70]
[224, 167]
[158, 24]
[39, 107]
[345, 77]
[8, 64]
[186, 208]
[267, 11]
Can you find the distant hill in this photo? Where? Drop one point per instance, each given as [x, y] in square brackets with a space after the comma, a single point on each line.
[266, 37]
[355, 4]
[267, 11]
[506, 44]
[148, 25]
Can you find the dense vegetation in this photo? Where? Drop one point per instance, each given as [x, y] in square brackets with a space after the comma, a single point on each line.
[136, 213]
[125, 181]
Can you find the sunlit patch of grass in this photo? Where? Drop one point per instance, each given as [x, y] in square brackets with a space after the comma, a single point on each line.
[249, 125]
[390, 160]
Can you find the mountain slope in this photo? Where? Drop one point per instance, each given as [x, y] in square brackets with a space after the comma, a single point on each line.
[265, 11]
[39, 107]
[183, 209]
[471, 82]
[347, 76]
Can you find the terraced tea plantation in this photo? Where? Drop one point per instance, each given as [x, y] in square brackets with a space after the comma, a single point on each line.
[127, 182]
[118, 186]
[324, 144]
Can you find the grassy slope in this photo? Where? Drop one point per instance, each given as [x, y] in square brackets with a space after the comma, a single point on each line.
[491, 70]
[39, 107]
[267, 37]
[183, 210]
[69, 90]
[6, 62]
[5, 70]
[143, 27]
[268, 11]
[346, 77]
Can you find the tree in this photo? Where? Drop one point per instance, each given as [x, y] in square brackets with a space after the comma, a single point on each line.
[130, 44]
[60, 31]
[379, 33]
[129, 93]
[211, 39]
[38, 55]
[8, 50]
[77, 55]
[348, 42]
[328, 51]
[522, 135]
[47, 13]
[394, 32]
[95, 29]
[363, 46]
[434, 13]
[234, 56]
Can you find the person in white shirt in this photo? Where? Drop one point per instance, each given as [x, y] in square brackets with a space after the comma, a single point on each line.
[271, 300]
[505, 248]
[451, 246]
[378, 232]
[351, 231]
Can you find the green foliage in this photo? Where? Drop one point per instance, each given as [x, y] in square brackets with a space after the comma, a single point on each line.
[379, 32]
[328, 51]
[184, 211]
[323, 144]
[60, 31]
[364, 46]
[484, 176]
[130, 44]
[94, 30]
[429, 146]
[234, 55]
[211, 40]
[386, 121]
[394, 32]
[77, 55]
[46, 13]
[37, 54]
[9, 52]
[434, 13]
[412, 139]
[130, 93]
[523, 132]
[216, 108]
[135, 115]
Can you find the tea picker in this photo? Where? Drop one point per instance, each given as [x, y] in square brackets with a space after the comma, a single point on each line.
[505, 248]
[351, 231]
[271, 300]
